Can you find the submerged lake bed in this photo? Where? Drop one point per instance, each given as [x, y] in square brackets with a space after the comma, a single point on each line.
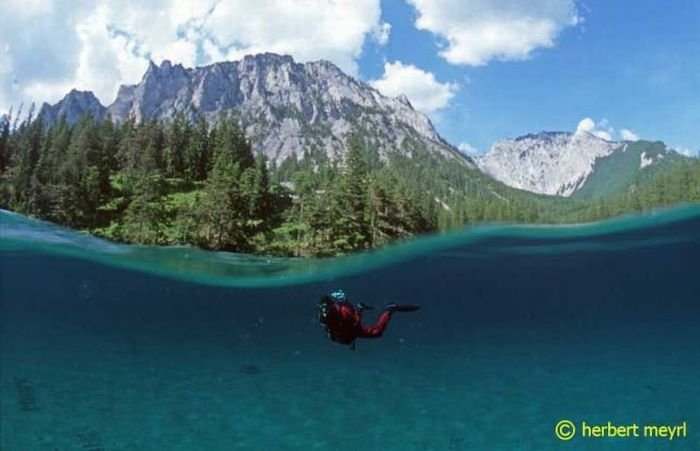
[117, 347]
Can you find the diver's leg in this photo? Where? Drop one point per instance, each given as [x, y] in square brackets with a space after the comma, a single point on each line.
[393, 307]
[377, 329]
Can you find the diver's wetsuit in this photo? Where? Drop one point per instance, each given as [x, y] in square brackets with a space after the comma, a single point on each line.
[343, 321]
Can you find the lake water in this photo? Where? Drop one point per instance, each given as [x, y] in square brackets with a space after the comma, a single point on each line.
[113, 347]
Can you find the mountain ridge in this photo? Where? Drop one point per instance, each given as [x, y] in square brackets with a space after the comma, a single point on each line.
[73, 106]
[288, 108]
[634, 163]
[284, 107]
[553, 163]
[563, 163]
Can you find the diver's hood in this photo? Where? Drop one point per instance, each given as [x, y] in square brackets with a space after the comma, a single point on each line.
[339, 296]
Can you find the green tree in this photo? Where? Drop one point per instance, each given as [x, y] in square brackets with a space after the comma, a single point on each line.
[231, 145]
[176, 148]
[4, 139]
[353, 196]
[145, 218]
[198, 154]
[223, 208]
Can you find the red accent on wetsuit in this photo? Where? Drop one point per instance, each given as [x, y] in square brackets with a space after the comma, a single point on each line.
[346, 324]
[378, 329]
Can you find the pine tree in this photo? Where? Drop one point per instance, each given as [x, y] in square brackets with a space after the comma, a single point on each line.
[146, 217]
[29, 145]
[260, 203]
[128, 151]
[4, 138]
[223, 208]
[231, 144]
[354, 195]
[177, 144]
[379, 221]
[304, 186]
[198, 152]
[108, 158]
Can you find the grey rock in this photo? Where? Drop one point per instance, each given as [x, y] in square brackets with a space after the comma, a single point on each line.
[285, 107]
[554, 163]
[73, 106]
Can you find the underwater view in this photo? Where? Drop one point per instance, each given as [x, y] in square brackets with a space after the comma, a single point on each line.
[119, 347]
[335, 225]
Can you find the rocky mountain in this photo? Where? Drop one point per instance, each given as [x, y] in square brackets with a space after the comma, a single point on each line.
[285, 107]
[73, 106]
[554, 163]
[578, 164]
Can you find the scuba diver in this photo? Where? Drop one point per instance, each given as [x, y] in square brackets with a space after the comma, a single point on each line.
[343, 320]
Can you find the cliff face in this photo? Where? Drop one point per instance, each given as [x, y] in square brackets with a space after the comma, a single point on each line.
[285, 107]
[555, 163]
[73, 106]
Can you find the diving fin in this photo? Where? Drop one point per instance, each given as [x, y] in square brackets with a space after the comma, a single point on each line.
[392, 307]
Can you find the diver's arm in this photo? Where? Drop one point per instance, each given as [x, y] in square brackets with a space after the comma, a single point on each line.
[361, 306]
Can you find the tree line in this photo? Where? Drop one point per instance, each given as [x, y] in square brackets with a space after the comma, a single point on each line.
[197, 183]
[200, 183]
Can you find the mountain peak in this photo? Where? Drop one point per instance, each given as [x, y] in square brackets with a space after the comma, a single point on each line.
[166, 69]
[554, 163]
[543, 135]
[73, 106]
[269, 58]
[285, 107]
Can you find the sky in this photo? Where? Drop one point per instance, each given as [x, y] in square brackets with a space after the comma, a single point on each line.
[482, 70]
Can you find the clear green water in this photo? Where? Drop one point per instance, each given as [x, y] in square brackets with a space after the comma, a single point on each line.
[133, 348]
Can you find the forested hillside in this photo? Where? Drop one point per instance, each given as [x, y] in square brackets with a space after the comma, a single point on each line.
[634, 163]
[180, 182]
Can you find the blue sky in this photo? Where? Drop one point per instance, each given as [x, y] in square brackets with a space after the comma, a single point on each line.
[630, 64]
[483, 70]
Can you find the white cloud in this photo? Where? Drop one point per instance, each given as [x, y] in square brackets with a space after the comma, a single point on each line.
[106, 58]
[307, 29]
[467, 149]
[628, 135]
[381, 33]
[585, 125]
[28, 8]
[6, 70]
[604, 130]
[422, 89]
[601, 129]
[48, 45]
[477, 31]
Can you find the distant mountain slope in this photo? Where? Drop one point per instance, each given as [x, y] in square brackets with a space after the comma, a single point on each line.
[285, 107]
[632, 164]
[577, 165]
[554, 163]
